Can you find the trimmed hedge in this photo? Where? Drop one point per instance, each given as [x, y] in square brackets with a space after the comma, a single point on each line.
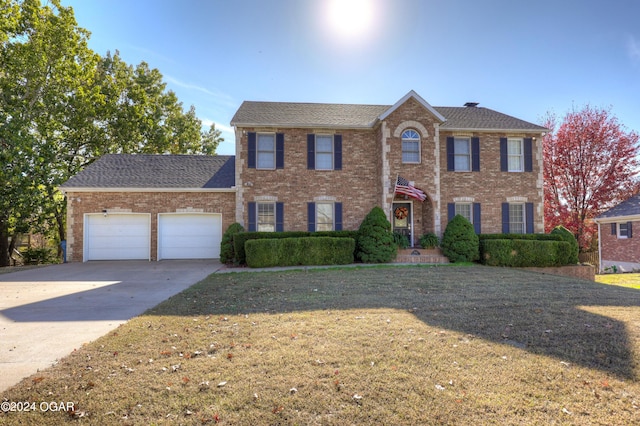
[227, 251]
[536, 237]
[459, 241]
[375, 240]
[241, 238]
[524, 252]
[262, 253]
[568, 236]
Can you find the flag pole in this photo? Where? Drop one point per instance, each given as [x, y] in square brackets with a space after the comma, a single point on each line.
[393, 195]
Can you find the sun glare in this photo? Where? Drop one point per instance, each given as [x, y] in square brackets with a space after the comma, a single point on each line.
[350, 20]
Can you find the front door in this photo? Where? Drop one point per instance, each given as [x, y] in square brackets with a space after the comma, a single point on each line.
[402, 220]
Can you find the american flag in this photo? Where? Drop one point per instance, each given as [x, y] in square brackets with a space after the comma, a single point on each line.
[404, 187]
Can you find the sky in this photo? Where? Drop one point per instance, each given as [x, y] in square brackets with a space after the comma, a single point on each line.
[522, 58]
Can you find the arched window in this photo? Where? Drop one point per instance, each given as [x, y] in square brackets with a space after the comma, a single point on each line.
[410, 146]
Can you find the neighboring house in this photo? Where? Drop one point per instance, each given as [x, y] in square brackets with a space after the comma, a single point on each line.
[311, 166]
[616, 244]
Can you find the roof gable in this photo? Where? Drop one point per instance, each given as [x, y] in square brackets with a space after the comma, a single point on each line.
[129, 171]
[631, 207]
[405, 98]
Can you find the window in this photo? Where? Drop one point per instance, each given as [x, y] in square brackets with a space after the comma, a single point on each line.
[324, 152]
[410, 146]
[465, 210]
[324, 216]
[266, 151]
[462, 154]
[515, 155]
[623, 230]
[516, 219]
[266, 217]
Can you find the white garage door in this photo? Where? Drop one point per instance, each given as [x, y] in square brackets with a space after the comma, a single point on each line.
[117, 236]
[189, 235]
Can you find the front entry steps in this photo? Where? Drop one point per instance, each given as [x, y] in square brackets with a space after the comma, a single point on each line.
[420, 255]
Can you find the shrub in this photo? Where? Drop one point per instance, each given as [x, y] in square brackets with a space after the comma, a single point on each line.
[522, 253]
[568, 236]
[401, 240]
[537, 237]
[241, 238]
[36, 256]
[227, 251]
[375, 240]
[429, 240]
[460, 242]
[261, 253]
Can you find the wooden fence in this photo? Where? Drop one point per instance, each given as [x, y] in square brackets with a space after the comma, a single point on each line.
[591, 258]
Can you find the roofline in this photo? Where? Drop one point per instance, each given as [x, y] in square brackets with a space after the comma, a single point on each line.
[303, 126]
[412, 94]
[616, 219]
[498, 130]
[118, 189]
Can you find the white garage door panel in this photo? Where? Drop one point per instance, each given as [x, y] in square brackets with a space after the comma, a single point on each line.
[189, 236]
[117, 237]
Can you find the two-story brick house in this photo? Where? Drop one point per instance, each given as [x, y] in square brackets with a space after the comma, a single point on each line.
[302, 166]
[312, 166]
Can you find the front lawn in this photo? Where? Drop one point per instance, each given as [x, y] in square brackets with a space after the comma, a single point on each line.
[386, 345]
[625, 280]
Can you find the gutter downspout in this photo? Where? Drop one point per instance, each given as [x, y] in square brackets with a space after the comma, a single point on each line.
[599, 249]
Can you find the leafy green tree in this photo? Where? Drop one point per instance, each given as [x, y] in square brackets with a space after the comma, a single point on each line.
[62, 106]
[460, 243]
[375, 242]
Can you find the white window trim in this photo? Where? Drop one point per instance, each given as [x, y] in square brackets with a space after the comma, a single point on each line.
[333, 214]
[524, 218]
[273, 205]
[619, 233]
[520, 156]
[258, 151]
[455, 154]
[324, 152]
[419, 140]
[470, 210]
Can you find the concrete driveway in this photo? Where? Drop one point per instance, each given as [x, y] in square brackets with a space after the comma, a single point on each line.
[47, 312]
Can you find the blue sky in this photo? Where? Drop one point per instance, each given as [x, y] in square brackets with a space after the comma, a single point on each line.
[522, 58]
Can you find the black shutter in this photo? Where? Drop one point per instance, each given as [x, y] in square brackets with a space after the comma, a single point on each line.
[529, 217]
[629, 230]
[614, 229]
[504, 157]
[337, 152]
[311, 151]
[279, 217]
[477, 216]
[450, 155]
[528, 155]
[252, 216]
[505, 218]
[338, 216]
[451, 211]
[311, 217]
[279, 150]
[251, 150]
[475, 154]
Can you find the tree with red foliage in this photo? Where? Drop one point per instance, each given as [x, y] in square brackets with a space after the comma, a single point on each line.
[590, 165]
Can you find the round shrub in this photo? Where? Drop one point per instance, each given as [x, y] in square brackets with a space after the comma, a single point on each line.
[429, 240]
[375, 240]
[571, 239]
[227, 252]
[460, 242]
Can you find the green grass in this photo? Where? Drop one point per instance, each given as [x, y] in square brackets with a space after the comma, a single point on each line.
[384, 345]
[624, 280]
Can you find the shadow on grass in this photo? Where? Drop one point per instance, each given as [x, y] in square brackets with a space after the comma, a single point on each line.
[539, 313]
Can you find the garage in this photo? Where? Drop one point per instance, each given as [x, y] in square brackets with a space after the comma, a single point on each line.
[117, 236]
[189, 235]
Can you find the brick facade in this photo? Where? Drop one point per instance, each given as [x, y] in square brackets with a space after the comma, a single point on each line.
[372, 159]
[624, 253]
[80, 203]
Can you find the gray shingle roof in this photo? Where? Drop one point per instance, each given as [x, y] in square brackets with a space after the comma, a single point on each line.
[631, 207]
[287, 114]
[156, 171]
